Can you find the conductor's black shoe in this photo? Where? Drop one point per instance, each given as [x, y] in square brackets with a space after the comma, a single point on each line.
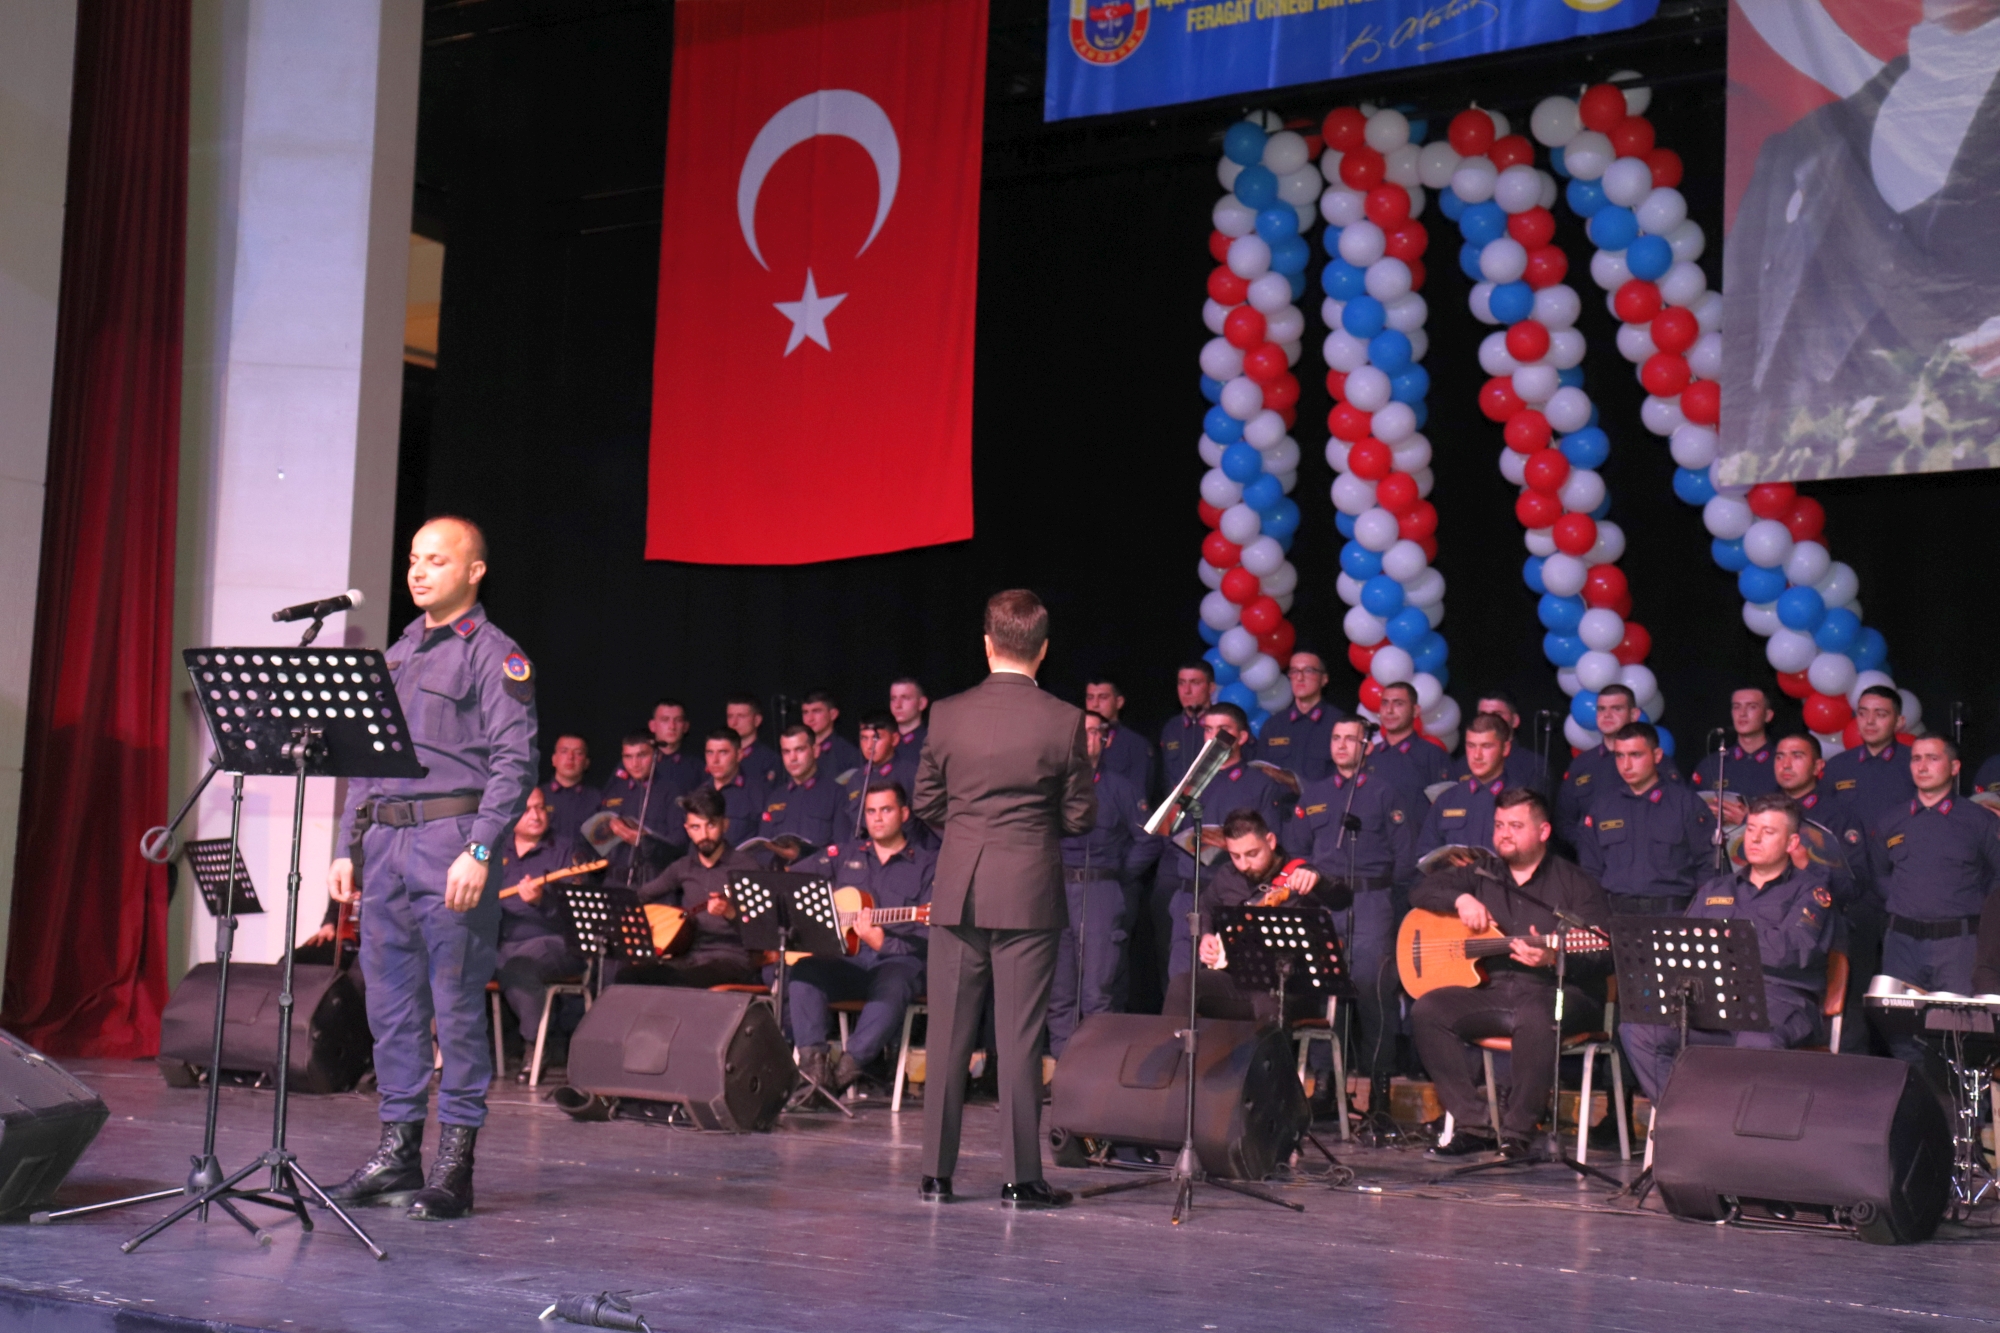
[1034, 1194]
[935, 1189]
[396, 1168]
[447, 1191]
[1464, 1143]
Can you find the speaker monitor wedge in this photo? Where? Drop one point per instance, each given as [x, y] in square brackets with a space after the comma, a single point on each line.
[47, 1119]
[718, 1054]
[331, 1046]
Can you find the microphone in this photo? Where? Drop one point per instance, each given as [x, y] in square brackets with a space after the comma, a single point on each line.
[603, 1310]
[321, 609]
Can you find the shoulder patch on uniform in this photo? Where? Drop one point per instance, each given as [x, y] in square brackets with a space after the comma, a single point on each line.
[519, 675]
[1822, 897]
[1396, 815]
[465, 627]
[1610, 824]
[516, 667]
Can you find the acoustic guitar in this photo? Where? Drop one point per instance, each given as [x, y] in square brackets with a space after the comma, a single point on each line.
[1436, 949]
[850, 901]
[569, 872]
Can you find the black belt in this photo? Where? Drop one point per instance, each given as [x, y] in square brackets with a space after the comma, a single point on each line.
[1074, 875]
[410, 814]
[1934, 930]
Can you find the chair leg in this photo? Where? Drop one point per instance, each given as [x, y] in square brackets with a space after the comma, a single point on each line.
[1492, 1096]
[1339, 1071]
[841, 1014]
[903, 1059]
[499, 1043]
[541, 1037]
[1652, 1114]
[1833, 1045]
[1583, 1104]
[1618, 1093]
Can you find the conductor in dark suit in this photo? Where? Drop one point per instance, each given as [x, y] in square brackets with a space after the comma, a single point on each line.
[1004, 778]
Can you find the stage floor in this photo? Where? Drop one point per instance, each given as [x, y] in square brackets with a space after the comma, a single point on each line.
[817, 1227]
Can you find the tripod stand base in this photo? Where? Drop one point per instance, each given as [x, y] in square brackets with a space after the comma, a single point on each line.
[282, 1193]
[1545, 1157]
[1184, 1177]
[204, 1174]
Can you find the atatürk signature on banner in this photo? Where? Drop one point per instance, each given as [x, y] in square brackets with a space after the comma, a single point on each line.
[1440, 25]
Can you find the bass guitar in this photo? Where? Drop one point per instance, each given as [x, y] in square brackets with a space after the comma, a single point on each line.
[1436, 949]
[849, 902]
[568, 872]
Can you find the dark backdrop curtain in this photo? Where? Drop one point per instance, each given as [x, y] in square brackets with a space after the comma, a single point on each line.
[86, 962]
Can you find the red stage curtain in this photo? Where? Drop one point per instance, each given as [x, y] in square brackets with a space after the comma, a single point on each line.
[86, 962]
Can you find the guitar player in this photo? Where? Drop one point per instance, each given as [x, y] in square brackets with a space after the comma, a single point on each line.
[1518, 999]
[696, 885]
[888, 971]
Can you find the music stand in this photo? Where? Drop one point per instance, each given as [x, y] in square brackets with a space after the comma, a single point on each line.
[213, 861]
[607, 921]
[298, 713]
[770, 906]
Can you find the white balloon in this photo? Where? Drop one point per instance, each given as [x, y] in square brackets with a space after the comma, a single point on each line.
[1352, 495]
[1428, 691]
[1639, 679]
[1662, 211]
[1219, 490]
[1242, 398]
[1684, 284]
[1344, 352]
[1549, 191]
[1692, 446]
[1537, 384]
[1557, 307]
[1518, 189]
[1433, 612]
[1368, 389]
[1768, 543]
[1480, 301]
[1227, 170]
[1361, 243]
[1377, 530]
[1705, 357]
[1555, 121]
[1342, 207]
[1635, 342]
[1868, 680]
[1607, 269]
[1628, 181]
[1582, 492]
[1391, 664]
[1761, 618]
[1279, 696]
[1637, 99]
[1662, 416]
[1386, 279]
[1406, 313]
[1504, 260]
[1809, 564]
[1578, 735]
[1564, 575]
[1404, 561]
[1264, 430]
[1566, 347]
[1595, 670]
[1494, 358]
[1363, 628]
[1336, 455]
[1282, 458]
[1501, 125]
[1387, 129]
[1601, 629]
[1249, 256]
[1286, 324]
[1609, 548]
[1427, 589]
[1587, 155]
[1232, 218]
[1400, 166]
[1293, 351]
[1568, 409]
[1708, 312]
[1210, 576]
[1280, 581]
[1221, 359]
[1238, 646]
[1262, 673]
[1437, 163]
[1726, 517]
[1393, 423]
[1348, 587]
[1832, 673]
[1514, 467]
[1308, 214]
[1539, 541]
[1789, 650]
[1654, 707]
[1301, 188]
[1443, 717]
[1840, 584]
[1263, 555]
[1218, 612]
[1474, 180]
[1240, 524]
[1688, 242]
[1271, 293]
[1567, 681]
[1285, 152]
[1913, 710]
[1330, 312]
[1211, 452]
[1422, 476]
[1214, 313]
[1412, 455]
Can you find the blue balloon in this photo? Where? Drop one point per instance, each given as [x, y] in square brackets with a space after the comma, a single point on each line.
[1603, 509]
[1556, 162]
[1263, 491]
[1389, 351]
[1837, 630]
[1512, 302]
[1468, 260]
[1666, 742]
[1244, 144]
[1225, 674]
[1481, 223]
[1358, 562]
[1297, 281]
[1443, 674]
[1221, 427]
[1430, 653]
[1693, 486]
[1451, 205]
[1561, 614]
[1419, 129]
[1612, 227]
[1729, 554]
[1870, 649]
[1588, 448]
[1290, 256]
[1364, 317]
[1258, 719]
[1284, 540]
[1760, 585]
[1648, 257]
[1382, 596]
[1343, 523]
[1343, 281]
[1239, 694]
[1257, 187]
[1585, 197]
[1408, 627]
[1280, 518]
[1211, 389]
[1423, 410]
[1583, 707]
[1210, 635]
[1275, 224]
[1531, 574]
[1562, 649]
[1242, 463]
[1411, 387]
[1571, 379]
[1644, 716]
[1801, 609]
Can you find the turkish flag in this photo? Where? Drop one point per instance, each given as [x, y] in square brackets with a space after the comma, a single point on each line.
[812, 370]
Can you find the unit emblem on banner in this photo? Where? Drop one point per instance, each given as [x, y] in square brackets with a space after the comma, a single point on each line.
[1104, 32]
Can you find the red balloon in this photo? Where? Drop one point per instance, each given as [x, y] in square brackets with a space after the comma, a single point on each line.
[1225, 288]
[1315, 145]
[1807, 519]
[1288, 415]
[1906, 738]
[1528, 341]
[1418, 523]
[1574, 534]
[1280, 641]
[1512, 150]
[1601, 107]
[1546, 470]
[1344, 129]
[1605, 586]
[1794, 684]
[1701, 402]
[1387, 206]
[1281, 395]
[1430, 545]
[1527, 431]
[1826, 712]
[1362, 168]
[1850, 735]
[1265, 363]
[1633, 648]
[1407, 242]
[1675, 329]
[1210, 515]
[1262, 615]
[1361, 656]
[1370, 459]
[1244, 327]
[1396, 493]
[1667, 169]
[1632, 137]
[1773, 499]
[1623, 606]
[1219, 551]
[1533, 229]
[1371, 694]
[1471, 133]
[1665, 374]
[1348, 422]
[1547, 266]
[1417, 274]
[1336, 384]
[1240, 586]
[1218, 246]
[1637, 302]
[1497, 398]
[1537, 509]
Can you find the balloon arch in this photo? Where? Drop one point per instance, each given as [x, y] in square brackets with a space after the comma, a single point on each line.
[1597, 161]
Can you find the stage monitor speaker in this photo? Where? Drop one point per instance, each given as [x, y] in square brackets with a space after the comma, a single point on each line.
[47, 1119]
[718, 1054]
[1861, 1139]
[1124, 1077]
[331, 1046]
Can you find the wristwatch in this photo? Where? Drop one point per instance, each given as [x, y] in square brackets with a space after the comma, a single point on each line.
[479, 852]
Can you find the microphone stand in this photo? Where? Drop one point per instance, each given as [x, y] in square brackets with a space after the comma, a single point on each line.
[1958, 743]
[1721, 798]
[1545, 725]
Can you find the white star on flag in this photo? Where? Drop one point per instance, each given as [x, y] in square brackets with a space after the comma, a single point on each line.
[808, 315]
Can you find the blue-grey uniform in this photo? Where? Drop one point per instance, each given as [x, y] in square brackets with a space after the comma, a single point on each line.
[1181, 740]
[913, 739]
[680, 771]
[1462, 816]
[1988, 777]
[1935, 867]
[1097, 867]
[1875, 785]
[1427, 762]
[569, 807]
[1748, 772]
[1372, 862]
[1127, 754]
[1522, 767]
[533, 950]
[760, 764]
[1241, 787]
[884, 980]
[651, 806]
[1833, 833]
[809, 810]
[1648, 851]
[1302, 740]
[469, 695]
[743, 801]
[1591, 772]
[1795, 920]
[836, 754]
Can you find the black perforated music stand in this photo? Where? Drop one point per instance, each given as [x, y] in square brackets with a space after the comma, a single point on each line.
[790, 913]
[607, 921]
[1284, 949]
[211, 859]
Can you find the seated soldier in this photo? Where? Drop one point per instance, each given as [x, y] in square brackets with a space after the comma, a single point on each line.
[807, 804]
[883, 760]
[1254, 875]
[646, 820]
[742, 793]
[533, 950]
[697, 884]
[1793, 911]
[571, 801]
[888, 971]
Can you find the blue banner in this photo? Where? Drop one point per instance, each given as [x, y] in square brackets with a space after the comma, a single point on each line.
[1121, 55]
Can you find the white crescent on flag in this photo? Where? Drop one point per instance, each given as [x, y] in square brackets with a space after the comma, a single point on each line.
[836, 111]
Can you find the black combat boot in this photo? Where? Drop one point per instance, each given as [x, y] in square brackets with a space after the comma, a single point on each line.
[396, 1168]
[447, 1191]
